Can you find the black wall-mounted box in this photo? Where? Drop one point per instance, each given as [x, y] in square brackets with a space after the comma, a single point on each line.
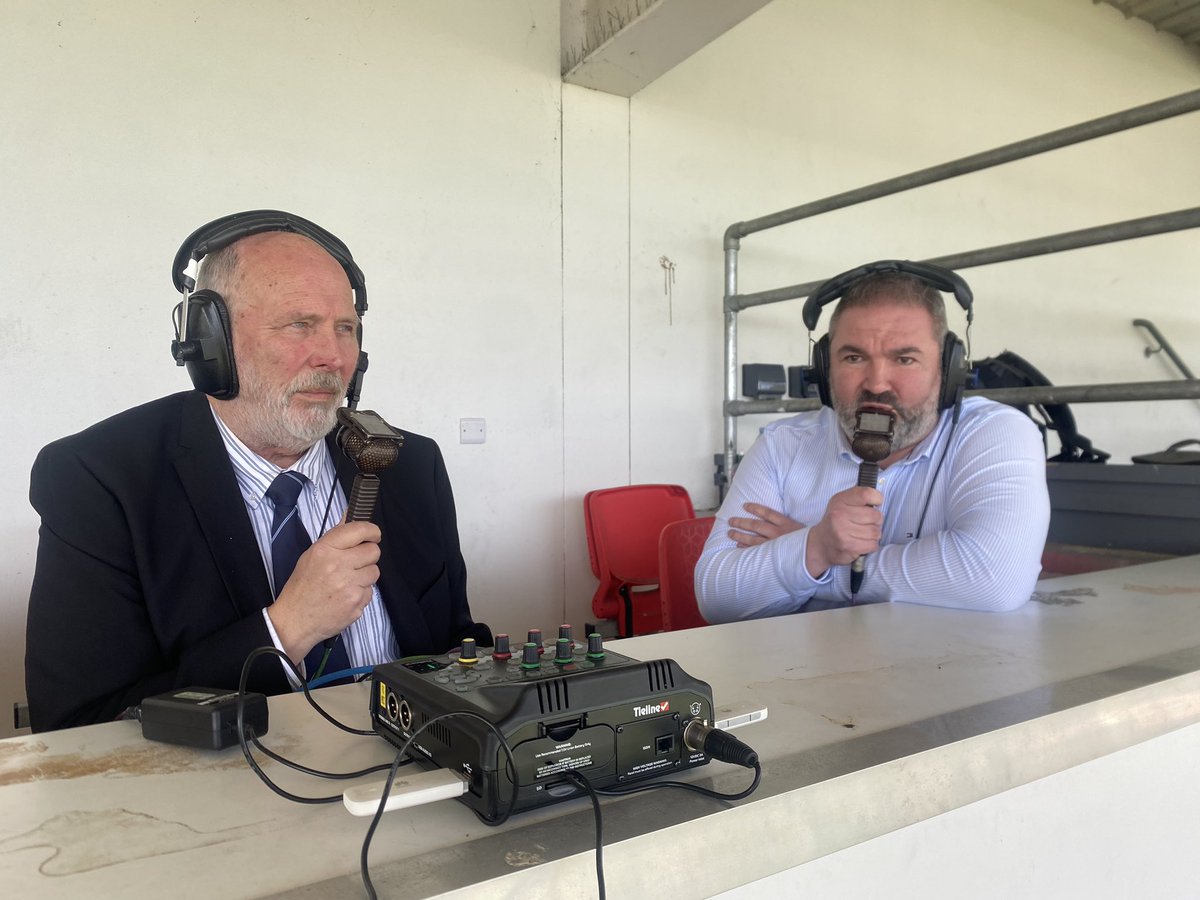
[761, 381]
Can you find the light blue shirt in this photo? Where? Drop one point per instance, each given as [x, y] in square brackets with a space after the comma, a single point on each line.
[370, 640]
[979, 547]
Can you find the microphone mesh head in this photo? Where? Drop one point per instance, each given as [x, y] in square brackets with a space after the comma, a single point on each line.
[375, 456]
[871, 447]
[371, 453]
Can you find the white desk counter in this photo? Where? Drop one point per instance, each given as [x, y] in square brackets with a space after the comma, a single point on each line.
[883, 719]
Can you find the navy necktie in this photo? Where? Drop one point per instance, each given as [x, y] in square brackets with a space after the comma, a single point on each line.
[288, 541]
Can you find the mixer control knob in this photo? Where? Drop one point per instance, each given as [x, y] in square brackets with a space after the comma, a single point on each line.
[530, 658]
[595, 648]
[503, 649]
[564, 631]
[562, 650]
[535, 637]
[466, 654]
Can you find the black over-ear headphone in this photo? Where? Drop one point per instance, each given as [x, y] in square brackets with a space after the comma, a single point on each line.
[203, 338]
[954, 355]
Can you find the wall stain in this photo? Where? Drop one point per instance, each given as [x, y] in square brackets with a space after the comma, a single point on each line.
[16, 336]
[1065, 597]
[85, 840]
[31, 760]
[848, 722]
[519, 859]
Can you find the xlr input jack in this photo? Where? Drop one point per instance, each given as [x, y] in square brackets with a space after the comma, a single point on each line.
[406, 715]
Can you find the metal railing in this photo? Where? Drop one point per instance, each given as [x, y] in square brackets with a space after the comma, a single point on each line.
[1164, 346]
[1117, 231]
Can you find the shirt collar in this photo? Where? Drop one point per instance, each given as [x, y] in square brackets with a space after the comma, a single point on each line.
[255, 474]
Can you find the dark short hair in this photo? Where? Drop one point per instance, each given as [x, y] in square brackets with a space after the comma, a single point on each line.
[895, 287]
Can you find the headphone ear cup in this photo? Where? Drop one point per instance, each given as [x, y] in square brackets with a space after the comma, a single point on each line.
[821, 370]
[207, 351]
[954, 371]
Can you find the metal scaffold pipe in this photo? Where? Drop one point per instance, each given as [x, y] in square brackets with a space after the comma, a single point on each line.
[1064, 137]
[1044, 395]
[1162, 223]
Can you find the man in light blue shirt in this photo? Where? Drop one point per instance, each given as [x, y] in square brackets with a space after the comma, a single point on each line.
[960, 510]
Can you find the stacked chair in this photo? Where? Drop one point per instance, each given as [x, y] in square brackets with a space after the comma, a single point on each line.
[626, 527]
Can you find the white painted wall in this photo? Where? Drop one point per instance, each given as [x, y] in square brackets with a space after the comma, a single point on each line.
[510, 228]
[808, 99]
[425, 135]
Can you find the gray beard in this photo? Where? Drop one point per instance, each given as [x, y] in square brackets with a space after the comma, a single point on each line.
[276, 423]
[912, 422]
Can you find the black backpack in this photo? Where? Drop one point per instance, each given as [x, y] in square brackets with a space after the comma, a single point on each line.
[1009, 370]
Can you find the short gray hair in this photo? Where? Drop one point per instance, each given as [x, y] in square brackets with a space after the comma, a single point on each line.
[219, 271]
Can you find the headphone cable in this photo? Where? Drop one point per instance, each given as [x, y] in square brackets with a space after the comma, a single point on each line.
[937, 471]
[329, 642]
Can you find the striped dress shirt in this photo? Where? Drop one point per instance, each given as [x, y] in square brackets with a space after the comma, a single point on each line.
[979, 547]
[370, 640]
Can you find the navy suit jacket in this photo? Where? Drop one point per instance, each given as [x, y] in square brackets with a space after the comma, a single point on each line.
[149, 577]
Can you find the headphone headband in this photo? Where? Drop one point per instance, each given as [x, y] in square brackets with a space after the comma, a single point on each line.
[953, 358]
[203, 335]
[220, 233]
[935, 276]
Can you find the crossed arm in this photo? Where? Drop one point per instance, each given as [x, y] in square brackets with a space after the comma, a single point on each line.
[979, 547]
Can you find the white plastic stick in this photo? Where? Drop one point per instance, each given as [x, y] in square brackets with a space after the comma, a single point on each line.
[739, 720]
[407, 790]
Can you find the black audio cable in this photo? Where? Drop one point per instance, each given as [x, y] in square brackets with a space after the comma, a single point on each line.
[246, 736]
[363, 866]
[387, 786]
[578, 779]
[697, 736]
[292, 764]
[937, 471]
[272, 651]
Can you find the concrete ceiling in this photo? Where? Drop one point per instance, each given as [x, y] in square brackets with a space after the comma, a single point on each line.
[620, 46]
[1178, 17]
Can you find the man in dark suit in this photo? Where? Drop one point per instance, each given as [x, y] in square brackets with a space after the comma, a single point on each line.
[154, 563]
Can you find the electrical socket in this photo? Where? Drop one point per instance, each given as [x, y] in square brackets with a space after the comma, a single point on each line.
[472, 431]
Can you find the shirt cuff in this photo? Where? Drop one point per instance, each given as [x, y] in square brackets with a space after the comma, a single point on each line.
[792, 571]
[287, 670]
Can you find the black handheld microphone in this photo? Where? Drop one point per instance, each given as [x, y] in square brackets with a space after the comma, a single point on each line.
[872, 442]
[372, 445]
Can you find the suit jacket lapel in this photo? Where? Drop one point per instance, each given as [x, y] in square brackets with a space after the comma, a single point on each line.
[207, 476]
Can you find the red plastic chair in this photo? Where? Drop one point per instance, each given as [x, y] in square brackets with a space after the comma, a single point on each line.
[623, 525]
[679, 547]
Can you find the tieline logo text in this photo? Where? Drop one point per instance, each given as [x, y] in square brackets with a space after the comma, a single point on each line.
[652, 709]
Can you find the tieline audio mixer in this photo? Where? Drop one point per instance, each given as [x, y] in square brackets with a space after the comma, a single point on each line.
[560, 705]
